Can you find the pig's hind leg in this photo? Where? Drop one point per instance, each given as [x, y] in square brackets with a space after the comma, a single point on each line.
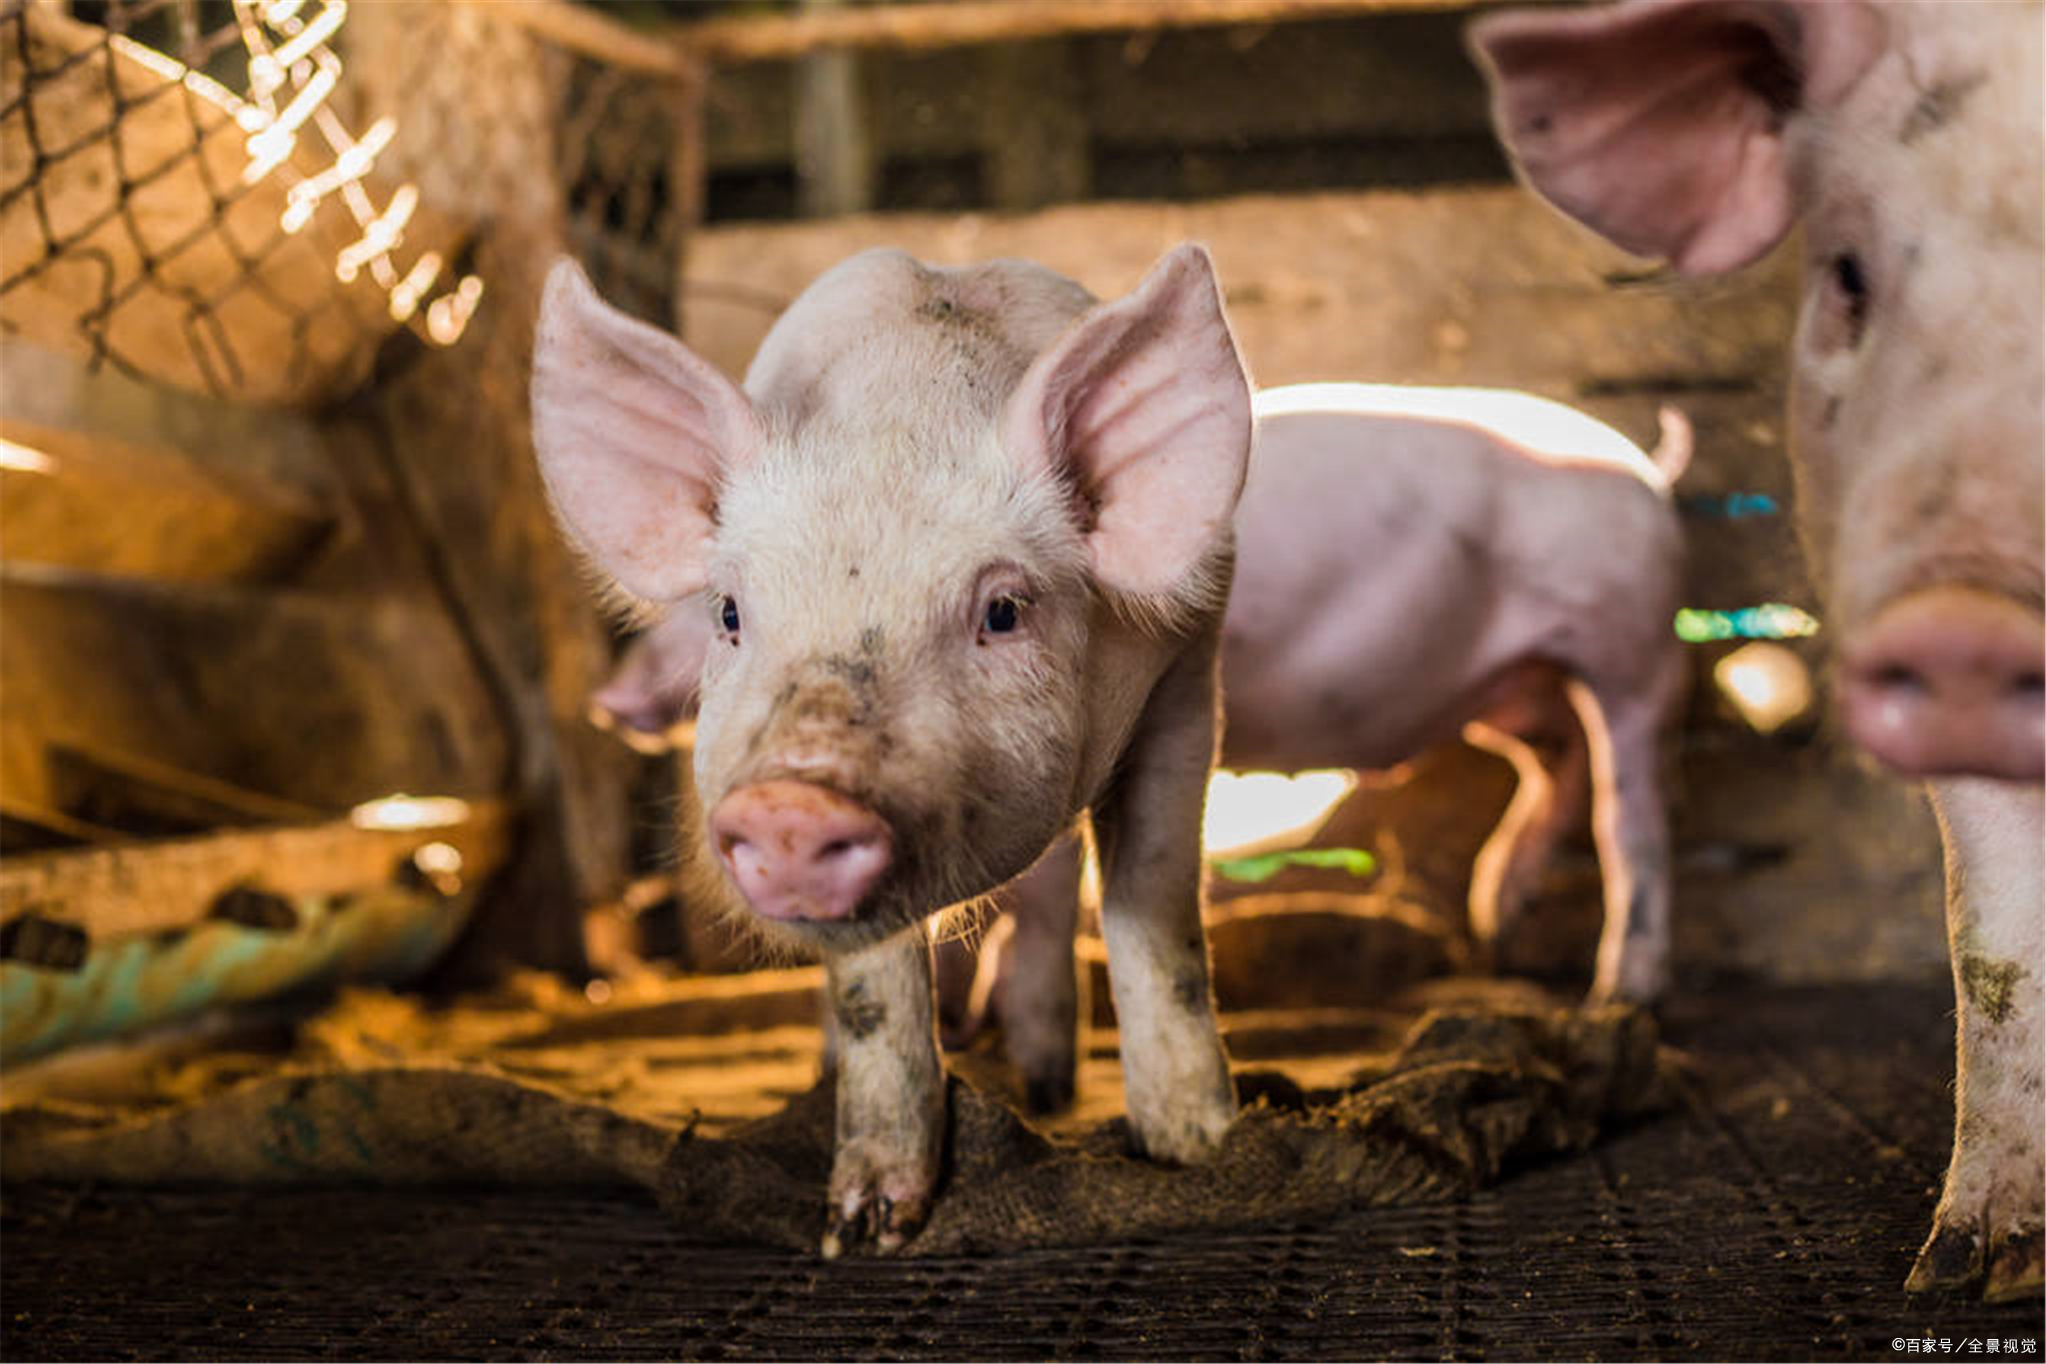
[964, 964]
[1037, 991]
[1630, 824]
[1986, 1229]
[1025, 974]
[1547, 799]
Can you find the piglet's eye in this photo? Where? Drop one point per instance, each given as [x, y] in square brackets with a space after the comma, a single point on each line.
[1004, 614]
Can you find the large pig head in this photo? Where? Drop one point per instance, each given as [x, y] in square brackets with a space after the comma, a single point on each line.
[1907, 138]
[922, 540]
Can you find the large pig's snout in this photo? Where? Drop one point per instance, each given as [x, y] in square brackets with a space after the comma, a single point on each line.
[798, 850]
[1950, 681]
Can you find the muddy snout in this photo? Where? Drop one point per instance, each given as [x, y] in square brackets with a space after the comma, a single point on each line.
[800, 851]
[1950, 681]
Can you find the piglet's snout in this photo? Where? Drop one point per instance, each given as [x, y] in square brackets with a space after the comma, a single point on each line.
[798, 850]
[1950, 681]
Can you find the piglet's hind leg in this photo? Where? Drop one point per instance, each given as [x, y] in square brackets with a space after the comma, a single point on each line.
[1631, 827]
[1509, 867]
[1037, 994]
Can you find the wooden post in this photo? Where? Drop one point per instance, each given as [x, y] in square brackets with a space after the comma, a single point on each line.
[834, 151]
[688, 173]
[1033, 125]
[477, 102]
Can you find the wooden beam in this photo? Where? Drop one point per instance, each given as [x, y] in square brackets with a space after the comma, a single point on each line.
[1462, 286]
[729, 41]
[130, 787]
[692, 1006]
[1033, 126]
[36, 825]
[140, 888]
[267, 455]
[688, 169]
[585, 31]
[1356, 86]
[74, 499]
[477, 103]
[835, 160]
[322, 698]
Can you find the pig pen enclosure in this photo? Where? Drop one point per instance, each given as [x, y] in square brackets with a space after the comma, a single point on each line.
[351, 1004]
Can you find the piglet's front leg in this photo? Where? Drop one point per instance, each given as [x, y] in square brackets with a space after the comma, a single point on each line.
[1175, 1073]
[891, 1095]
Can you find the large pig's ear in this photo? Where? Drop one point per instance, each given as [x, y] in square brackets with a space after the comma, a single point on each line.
[634, 433]
[1659, 125]
[1144, 406]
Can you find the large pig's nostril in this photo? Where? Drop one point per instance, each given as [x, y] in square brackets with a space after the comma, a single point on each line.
[1897, 678]
[1948, 681]
[797, 850]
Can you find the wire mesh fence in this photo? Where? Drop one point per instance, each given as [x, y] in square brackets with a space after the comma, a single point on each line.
[222, 239]
[623, 165]
[181, 198]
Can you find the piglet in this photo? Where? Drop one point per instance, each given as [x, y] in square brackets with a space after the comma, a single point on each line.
[1422, 562]
[962, 543]
[1907, 139]
[1414, 564]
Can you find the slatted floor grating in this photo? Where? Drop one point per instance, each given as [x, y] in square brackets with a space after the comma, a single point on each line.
[1772, 1213]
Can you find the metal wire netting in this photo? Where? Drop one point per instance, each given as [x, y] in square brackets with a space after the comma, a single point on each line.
[622, 165]
[220, 239]
[180, 198]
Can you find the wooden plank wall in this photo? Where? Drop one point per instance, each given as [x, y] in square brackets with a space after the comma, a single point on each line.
[1023, 124]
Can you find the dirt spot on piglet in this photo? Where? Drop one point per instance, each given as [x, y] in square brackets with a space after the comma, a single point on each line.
[1938, 106]
[859, 1014]
[1991, 985]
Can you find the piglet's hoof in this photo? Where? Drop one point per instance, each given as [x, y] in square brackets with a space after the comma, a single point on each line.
[1644, 986]
[1959, 1255]
[1046, 1094]
[2015, 1270]
[1188, 1133]
[876, 1203]
[1637, 975]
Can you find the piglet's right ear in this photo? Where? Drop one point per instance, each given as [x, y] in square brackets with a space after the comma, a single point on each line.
[1143, 406]
[635, 434]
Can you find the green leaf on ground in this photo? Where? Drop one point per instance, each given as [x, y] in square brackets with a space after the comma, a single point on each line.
[1264, 866]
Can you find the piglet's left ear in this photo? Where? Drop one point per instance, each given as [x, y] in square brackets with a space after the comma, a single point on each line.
[654, 687]
[1144, 405]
